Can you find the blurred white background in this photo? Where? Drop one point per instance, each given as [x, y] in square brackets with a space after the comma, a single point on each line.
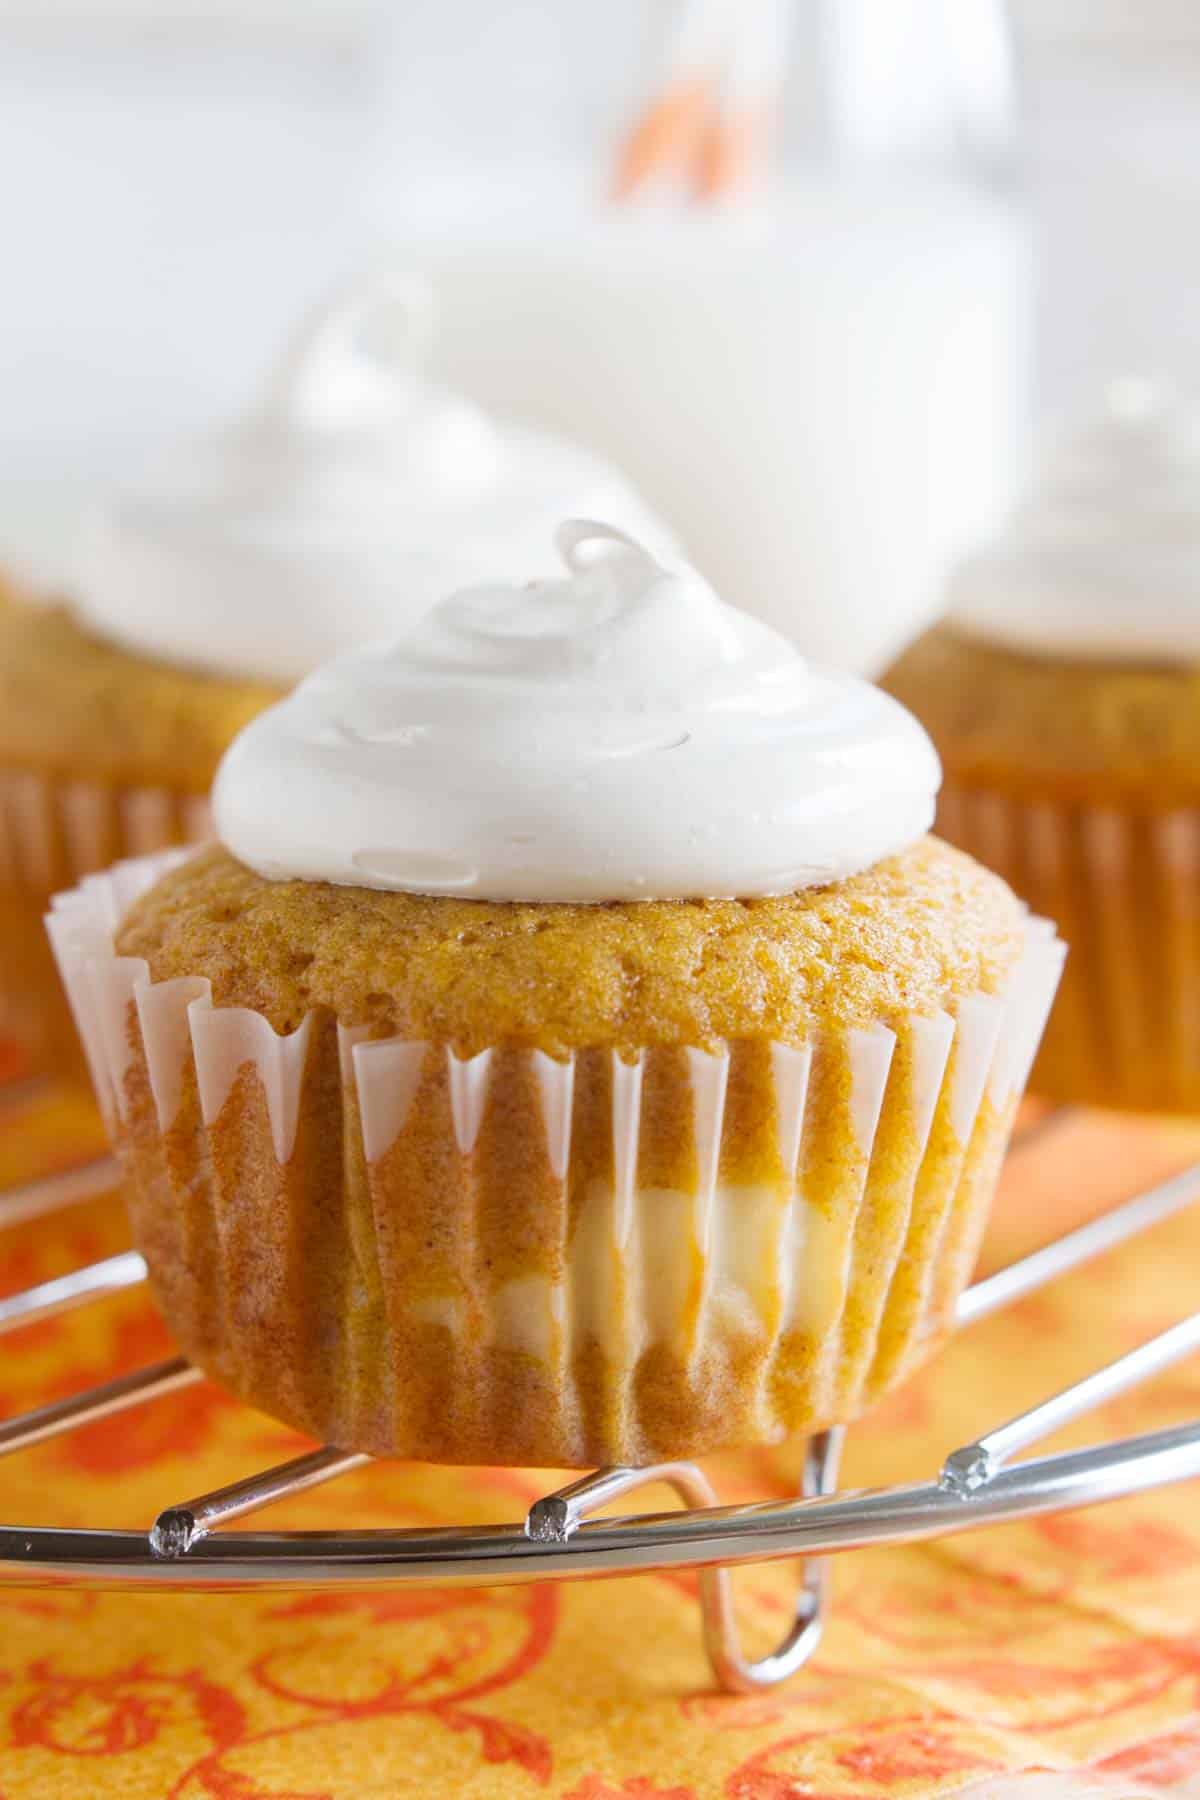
[181, 178]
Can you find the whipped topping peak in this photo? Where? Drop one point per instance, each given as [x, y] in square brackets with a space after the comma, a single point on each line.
[1102, 558]
[353, 382]
[618, 604]
[355, 494]
[619, 733]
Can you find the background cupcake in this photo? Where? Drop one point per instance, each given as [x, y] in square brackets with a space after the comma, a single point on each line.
[352, 497]
[461, 1120]
[1063, 693]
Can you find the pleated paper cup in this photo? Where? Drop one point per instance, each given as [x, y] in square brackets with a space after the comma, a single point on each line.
[1124, 885]
[515, 1259]
[53, 831]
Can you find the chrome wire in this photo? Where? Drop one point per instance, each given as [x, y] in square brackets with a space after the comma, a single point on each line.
[65, 1292]
[150, 1383]
[34, 1199]
[1111, 1228]
[180, 1528]
[967, 1468]
[504, 1554]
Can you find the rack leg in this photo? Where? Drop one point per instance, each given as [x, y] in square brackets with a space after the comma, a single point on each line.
[554, 1519]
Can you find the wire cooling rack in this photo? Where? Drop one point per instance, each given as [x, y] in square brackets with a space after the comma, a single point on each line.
[559, 1539]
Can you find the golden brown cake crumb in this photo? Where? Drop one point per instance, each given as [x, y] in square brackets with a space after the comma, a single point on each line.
[72, 704]
[1081, 730]
[913, 934]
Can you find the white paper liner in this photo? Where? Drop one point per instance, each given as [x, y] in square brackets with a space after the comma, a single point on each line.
[774, 1263]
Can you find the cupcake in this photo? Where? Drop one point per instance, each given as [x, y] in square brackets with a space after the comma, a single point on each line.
[574, 1051]
[352, 497]
[1063, 693]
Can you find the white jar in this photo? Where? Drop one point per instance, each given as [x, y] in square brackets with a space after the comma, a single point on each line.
[827, 408]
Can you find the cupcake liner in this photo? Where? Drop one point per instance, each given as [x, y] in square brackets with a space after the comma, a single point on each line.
[512, 1258]
[53, 831]
[35, 1019]
[56, 829]
[1124, 886]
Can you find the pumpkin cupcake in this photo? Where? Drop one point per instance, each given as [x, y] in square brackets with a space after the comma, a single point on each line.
[1063, 694]
[349, 500]
[575, 1050]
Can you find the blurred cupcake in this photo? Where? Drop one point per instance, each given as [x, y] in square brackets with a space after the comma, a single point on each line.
[1063, 694]
[353, 497]
[575, 1051]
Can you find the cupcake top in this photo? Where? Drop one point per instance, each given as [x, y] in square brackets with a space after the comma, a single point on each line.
[1102, 558]
[915, 934]
[354, 496]
[620, 734]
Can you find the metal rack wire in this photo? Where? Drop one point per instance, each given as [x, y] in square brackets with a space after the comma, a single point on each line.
[560, 1538]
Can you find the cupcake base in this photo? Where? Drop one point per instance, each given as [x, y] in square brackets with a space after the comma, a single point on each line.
[34, 1014]
[1078, 781]
[103, 754]
[54, 831]
[1124, 885]
[512, 1258]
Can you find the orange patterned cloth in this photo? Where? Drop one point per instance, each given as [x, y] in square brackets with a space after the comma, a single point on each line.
[1068, 1645]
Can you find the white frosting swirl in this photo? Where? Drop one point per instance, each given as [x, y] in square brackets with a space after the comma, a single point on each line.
[1103, 557]
[356, 495]
[618, 735]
